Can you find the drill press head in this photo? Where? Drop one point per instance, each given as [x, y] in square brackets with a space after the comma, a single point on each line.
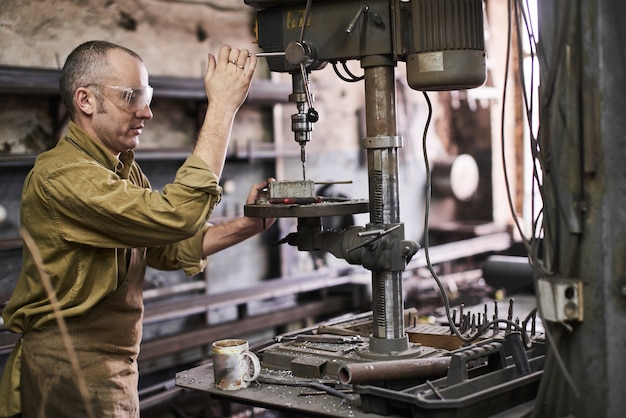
[442, 43]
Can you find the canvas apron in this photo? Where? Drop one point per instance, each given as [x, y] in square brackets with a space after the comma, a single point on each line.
[106, 341]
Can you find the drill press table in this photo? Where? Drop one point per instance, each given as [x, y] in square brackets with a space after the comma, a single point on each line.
[284, 398]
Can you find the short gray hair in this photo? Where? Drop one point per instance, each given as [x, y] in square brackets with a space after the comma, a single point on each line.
[86, 65]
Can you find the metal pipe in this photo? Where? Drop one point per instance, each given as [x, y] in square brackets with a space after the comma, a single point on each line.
[380, 371]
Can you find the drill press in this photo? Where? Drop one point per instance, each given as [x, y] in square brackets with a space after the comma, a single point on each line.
[442, 43]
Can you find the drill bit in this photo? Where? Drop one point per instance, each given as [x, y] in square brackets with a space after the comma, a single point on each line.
[303, 159]
[509, 317]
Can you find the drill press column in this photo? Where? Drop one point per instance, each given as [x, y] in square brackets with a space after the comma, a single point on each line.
[382, 144]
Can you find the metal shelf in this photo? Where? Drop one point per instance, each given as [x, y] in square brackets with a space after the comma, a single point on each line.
[45, 82]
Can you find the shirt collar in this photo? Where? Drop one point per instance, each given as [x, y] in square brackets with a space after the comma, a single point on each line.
[99, 153]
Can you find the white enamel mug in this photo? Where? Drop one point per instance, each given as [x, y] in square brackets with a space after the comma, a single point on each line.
[234, 365]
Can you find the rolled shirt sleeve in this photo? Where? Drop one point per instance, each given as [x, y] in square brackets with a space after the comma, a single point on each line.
[184, 255]
[115, 212]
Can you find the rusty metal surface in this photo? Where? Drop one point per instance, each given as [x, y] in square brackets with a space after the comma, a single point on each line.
[383, 371]
[303, 357]
[291, 399]
[434, 336]
[291, 188]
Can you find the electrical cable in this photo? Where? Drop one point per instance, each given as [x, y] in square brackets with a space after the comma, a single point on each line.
[535, 148]
[351, 78]
[341, 76]
[538, 267]
[502, 135]
[446, 300]
[532, 249]
[347, 70]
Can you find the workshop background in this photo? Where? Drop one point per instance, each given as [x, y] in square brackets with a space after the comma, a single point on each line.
[183, 315]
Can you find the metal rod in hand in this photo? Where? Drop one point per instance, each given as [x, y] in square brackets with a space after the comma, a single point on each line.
[270, 54]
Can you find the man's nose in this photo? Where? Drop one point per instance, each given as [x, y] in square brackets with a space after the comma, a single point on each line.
[145, 113]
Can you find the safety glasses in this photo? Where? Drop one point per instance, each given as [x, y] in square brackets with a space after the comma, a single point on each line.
[132, 99]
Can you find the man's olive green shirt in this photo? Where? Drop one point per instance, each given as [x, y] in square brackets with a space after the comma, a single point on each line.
[85, 210]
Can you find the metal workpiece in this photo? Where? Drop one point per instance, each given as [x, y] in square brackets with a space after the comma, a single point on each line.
[278, 191]
[295, 210]
[389, 370]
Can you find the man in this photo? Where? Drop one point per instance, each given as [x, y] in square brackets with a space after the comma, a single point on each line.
[95, 225]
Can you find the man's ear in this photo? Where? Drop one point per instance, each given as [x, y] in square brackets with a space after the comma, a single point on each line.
[85, 100]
